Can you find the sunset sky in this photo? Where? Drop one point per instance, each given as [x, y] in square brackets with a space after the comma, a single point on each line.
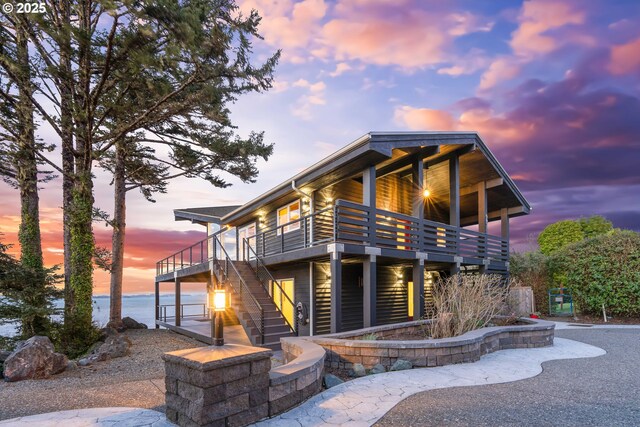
[553, 87]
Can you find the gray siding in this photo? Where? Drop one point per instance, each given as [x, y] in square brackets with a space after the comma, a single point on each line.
[300, 274]
[391, 296]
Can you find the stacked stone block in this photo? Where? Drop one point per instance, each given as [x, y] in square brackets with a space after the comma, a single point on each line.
[217, 386]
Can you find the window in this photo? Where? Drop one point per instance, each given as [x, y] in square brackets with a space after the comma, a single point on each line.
[248, 232]
[286, 308]
[289, 213]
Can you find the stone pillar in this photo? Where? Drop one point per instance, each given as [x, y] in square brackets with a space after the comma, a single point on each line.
[210, 386]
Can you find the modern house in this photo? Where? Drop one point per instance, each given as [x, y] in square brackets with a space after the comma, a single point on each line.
[355, 240]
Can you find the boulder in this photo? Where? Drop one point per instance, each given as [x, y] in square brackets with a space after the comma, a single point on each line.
[114, 346]
[4, 354]
[378, 369]
[401, 365]
[130, 323]
[358, 370]
[331, 380]
[34, 358]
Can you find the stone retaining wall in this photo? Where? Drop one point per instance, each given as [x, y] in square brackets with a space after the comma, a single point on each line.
[348, 348]
[299, 378]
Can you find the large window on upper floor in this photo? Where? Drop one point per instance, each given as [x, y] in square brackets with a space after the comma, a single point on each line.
[286, 214]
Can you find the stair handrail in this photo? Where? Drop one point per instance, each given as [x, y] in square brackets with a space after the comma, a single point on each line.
[261, 266]
[243, 290]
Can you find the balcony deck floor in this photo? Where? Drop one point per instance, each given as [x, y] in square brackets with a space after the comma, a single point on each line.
[201, 331]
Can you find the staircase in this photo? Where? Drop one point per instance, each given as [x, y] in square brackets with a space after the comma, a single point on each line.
[261, 319]
[275, 327]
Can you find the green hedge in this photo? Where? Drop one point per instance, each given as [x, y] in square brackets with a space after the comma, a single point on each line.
[603, 270]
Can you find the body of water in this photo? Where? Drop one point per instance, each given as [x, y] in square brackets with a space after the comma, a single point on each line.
[139, 307]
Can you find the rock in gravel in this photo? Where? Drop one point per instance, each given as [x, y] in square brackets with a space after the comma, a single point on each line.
[401, 365]
[34, 358]
[331, 380]
[130, 323]
[358, 370]
[113, 347]
[377, 369]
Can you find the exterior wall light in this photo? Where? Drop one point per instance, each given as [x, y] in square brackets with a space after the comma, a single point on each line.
[426, 193]
[217, 304]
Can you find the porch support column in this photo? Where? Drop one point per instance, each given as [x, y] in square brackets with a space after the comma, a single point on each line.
[177, 302]
[504, 224]
[369, 273]
[417, 177]
[455, 268]
[418, 289]
[454, 191]
[482, 221]
[157, 303]
[369, 199]
[482, 207]
[336, 291]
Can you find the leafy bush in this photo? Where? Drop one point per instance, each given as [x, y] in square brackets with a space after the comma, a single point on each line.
[562, 233]
[603, 270]
[464, 302]
[530, 269]
[558, 235]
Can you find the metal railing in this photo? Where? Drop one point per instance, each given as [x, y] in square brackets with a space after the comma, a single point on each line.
[282, 302]
[231, 276]
[310, 230]
[195, 254]
[162, 311]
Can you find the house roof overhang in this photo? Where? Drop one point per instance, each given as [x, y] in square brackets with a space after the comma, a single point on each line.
[204, 215]
[377, 148]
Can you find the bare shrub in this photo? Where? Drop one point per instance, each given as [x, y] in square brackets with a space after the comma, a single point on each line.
[464, 302]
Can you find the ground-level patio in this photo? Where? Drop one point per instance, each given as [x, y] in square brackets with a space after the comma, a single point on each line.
[579, 384]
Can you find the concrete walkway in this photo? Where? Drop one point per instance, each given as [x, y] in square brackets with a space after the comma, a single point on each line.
[364, 401]
[107, 417]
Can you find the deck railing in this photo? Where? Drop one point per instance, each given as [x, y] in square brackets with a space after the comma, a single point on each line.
[348, 222]
[162, 311]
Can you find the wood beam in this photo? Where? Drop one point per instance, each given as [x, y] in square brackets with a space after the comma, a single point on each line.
[369, 277]
[504, 224]
[482, 207]
[417, 179]
[456, 153]
[418, 289]
[407, 160]
[369, 186]
[454, 191]
[493, 215]
[488, 184]
[336, 292]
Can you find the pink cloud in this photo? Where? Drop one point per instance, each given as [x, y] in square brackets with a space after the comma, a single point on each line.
[424, 118]
[537, 18]
[625, 58]
[500, 70]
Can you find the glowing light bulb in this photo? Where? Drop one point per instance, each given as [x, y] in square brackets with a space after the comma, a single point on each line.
[426, 193]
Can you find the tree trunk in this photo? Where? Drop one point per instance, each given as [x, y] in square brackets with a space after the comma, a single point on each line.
[66, 126]
[118, 237]
[27, 178]
[82, 245]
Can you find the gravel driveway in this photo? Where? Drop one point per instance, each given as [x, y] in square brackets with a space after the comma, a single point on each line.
[601, 391]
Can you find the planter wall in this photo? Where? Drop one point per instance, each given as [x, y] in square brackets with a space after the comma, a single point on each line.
[345, 349]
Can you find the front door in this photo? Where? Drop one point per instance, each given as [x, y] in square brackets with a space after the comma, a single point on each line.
[247, 232]
[284, 305]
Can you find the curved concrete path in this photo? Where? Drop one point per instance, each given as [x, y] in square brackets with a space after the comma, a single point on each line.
[364, 401]
[107, 417]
